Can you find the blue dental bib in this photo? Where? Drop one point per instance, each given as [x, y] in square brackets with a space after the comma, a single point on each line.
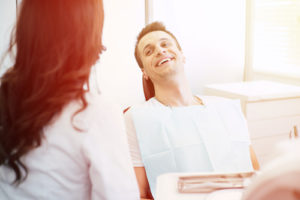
[210, 138]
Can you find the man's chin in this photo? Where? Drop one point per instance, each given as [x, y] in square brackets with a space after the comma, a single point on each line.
[166, 72]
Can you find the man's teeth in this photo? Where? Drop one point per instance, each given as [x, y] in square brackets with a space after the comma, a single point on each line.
[164, 60]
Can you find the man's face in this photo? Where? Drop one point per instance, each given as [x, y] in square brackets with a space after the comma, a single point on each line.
[160, 55]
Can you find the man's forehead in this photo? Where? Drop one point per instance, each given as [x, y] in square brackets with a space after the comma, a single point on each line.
[152, 37]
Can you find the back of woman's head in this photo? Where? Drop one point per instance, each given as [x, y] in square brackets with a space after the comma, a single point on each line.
[56, 43]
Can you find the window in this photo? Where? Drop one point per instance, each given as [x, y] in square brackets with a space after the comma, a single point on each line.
[276, 37]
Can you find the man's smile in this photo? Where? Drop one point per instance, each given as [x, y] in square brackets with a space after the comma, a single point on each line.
[164, 60]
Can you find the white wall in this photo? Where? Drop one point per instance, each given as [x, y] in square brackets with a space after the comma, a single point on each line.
[117, 71]
[7, 20]
[210, 32]
[212, 35]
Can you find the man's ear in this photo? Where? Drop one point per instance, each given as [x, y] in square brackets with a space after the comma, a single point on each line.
[145, 76]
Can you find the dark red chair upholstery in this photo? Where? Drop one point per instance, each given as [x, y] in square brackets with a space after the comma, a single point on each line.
[148, 89]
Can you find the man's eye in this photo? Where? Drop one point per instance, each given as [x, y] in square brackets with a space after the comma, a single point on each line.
[148, 52]
[164, 44]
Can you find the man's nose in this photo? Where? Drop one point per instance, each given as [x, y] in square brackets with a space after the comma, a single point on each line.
[160, 51]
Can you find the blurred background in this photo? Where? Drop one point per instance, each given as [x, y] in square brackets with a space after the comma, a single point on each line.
[223, 41]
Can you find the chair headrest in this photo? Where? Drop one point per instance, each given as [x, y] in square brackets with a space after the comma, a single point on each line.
[148, 89]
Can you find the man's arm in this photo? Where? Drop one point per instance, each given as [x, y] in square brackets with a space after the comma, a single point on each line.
[254, 160]
[139, 169]
[143, 183]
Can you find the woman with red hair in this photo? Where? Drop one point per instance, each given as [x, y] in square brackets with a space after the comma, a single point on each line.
[57, 140]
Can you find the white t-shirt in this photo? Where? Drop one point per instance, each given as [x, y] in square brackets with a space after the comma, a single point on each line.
[131, 132]
[92, 164]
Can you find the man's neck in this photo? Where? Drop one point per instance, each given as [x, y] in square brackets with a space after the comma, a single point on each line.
[175, 93]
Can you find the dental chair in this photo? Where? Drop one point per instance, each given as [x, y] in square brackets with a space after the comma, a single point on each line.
[148, 89]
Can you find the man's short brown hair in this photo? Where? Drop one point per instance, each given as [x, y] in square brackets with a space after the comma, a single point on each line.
[154, 26]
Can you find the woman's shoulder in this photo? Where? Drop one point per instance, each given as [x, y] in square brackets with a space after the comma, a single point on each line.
[99, 100]
[101, 106]
[98, 108]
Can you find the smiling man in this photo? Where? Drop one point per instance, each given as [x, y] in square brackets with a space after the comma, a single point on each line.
[176, 131]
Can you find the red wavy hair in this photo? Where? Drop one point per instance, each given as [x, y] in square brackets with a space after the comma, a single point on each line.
[56, 43]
